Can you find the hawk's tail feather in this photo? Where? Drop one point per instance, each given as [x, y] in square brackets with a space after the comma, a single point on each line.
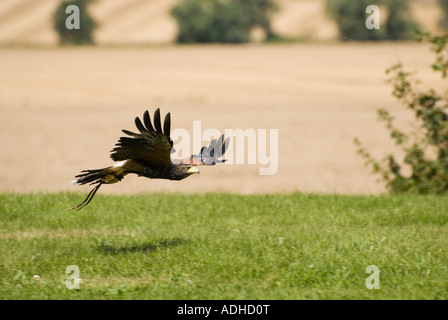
[106, 175]
[97, 177]
[89, 176]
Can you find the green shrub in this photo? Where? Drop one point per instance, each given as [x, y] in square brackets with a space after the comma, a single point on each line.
[426, 146]
[83, 35]
[350, 17]
[221, 21]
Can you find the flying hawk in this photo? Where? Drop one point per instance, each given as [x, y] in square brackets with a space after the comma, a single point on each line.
[148, 154]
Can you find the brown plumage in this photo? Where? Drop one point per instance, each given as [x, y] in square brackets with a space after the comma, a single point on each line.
[148, 154]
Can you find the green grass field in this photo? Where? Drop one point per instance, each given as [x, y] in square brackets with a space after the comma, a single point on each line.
[222, 246]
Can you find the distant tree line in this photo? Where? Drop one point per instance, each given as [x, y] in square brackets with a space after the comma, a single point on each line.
[231, 21]
[228, 21]
[81, 35]
[350, 18]
[444, 19]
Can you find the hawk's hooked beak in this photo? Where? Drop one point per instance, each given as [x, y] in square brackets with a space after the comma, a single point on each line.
[193, 170]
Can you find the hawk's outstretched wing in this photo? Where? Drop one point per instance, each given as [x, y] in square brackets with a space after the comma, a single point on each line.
[209, 155]
[153, 144]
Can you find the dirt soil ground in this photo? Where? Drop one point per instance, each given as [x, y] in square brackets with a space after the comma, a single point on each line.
[62, 110]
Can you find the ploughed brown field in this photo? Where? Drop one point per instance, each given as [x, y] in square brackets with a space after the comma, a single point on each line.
[62, 110]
